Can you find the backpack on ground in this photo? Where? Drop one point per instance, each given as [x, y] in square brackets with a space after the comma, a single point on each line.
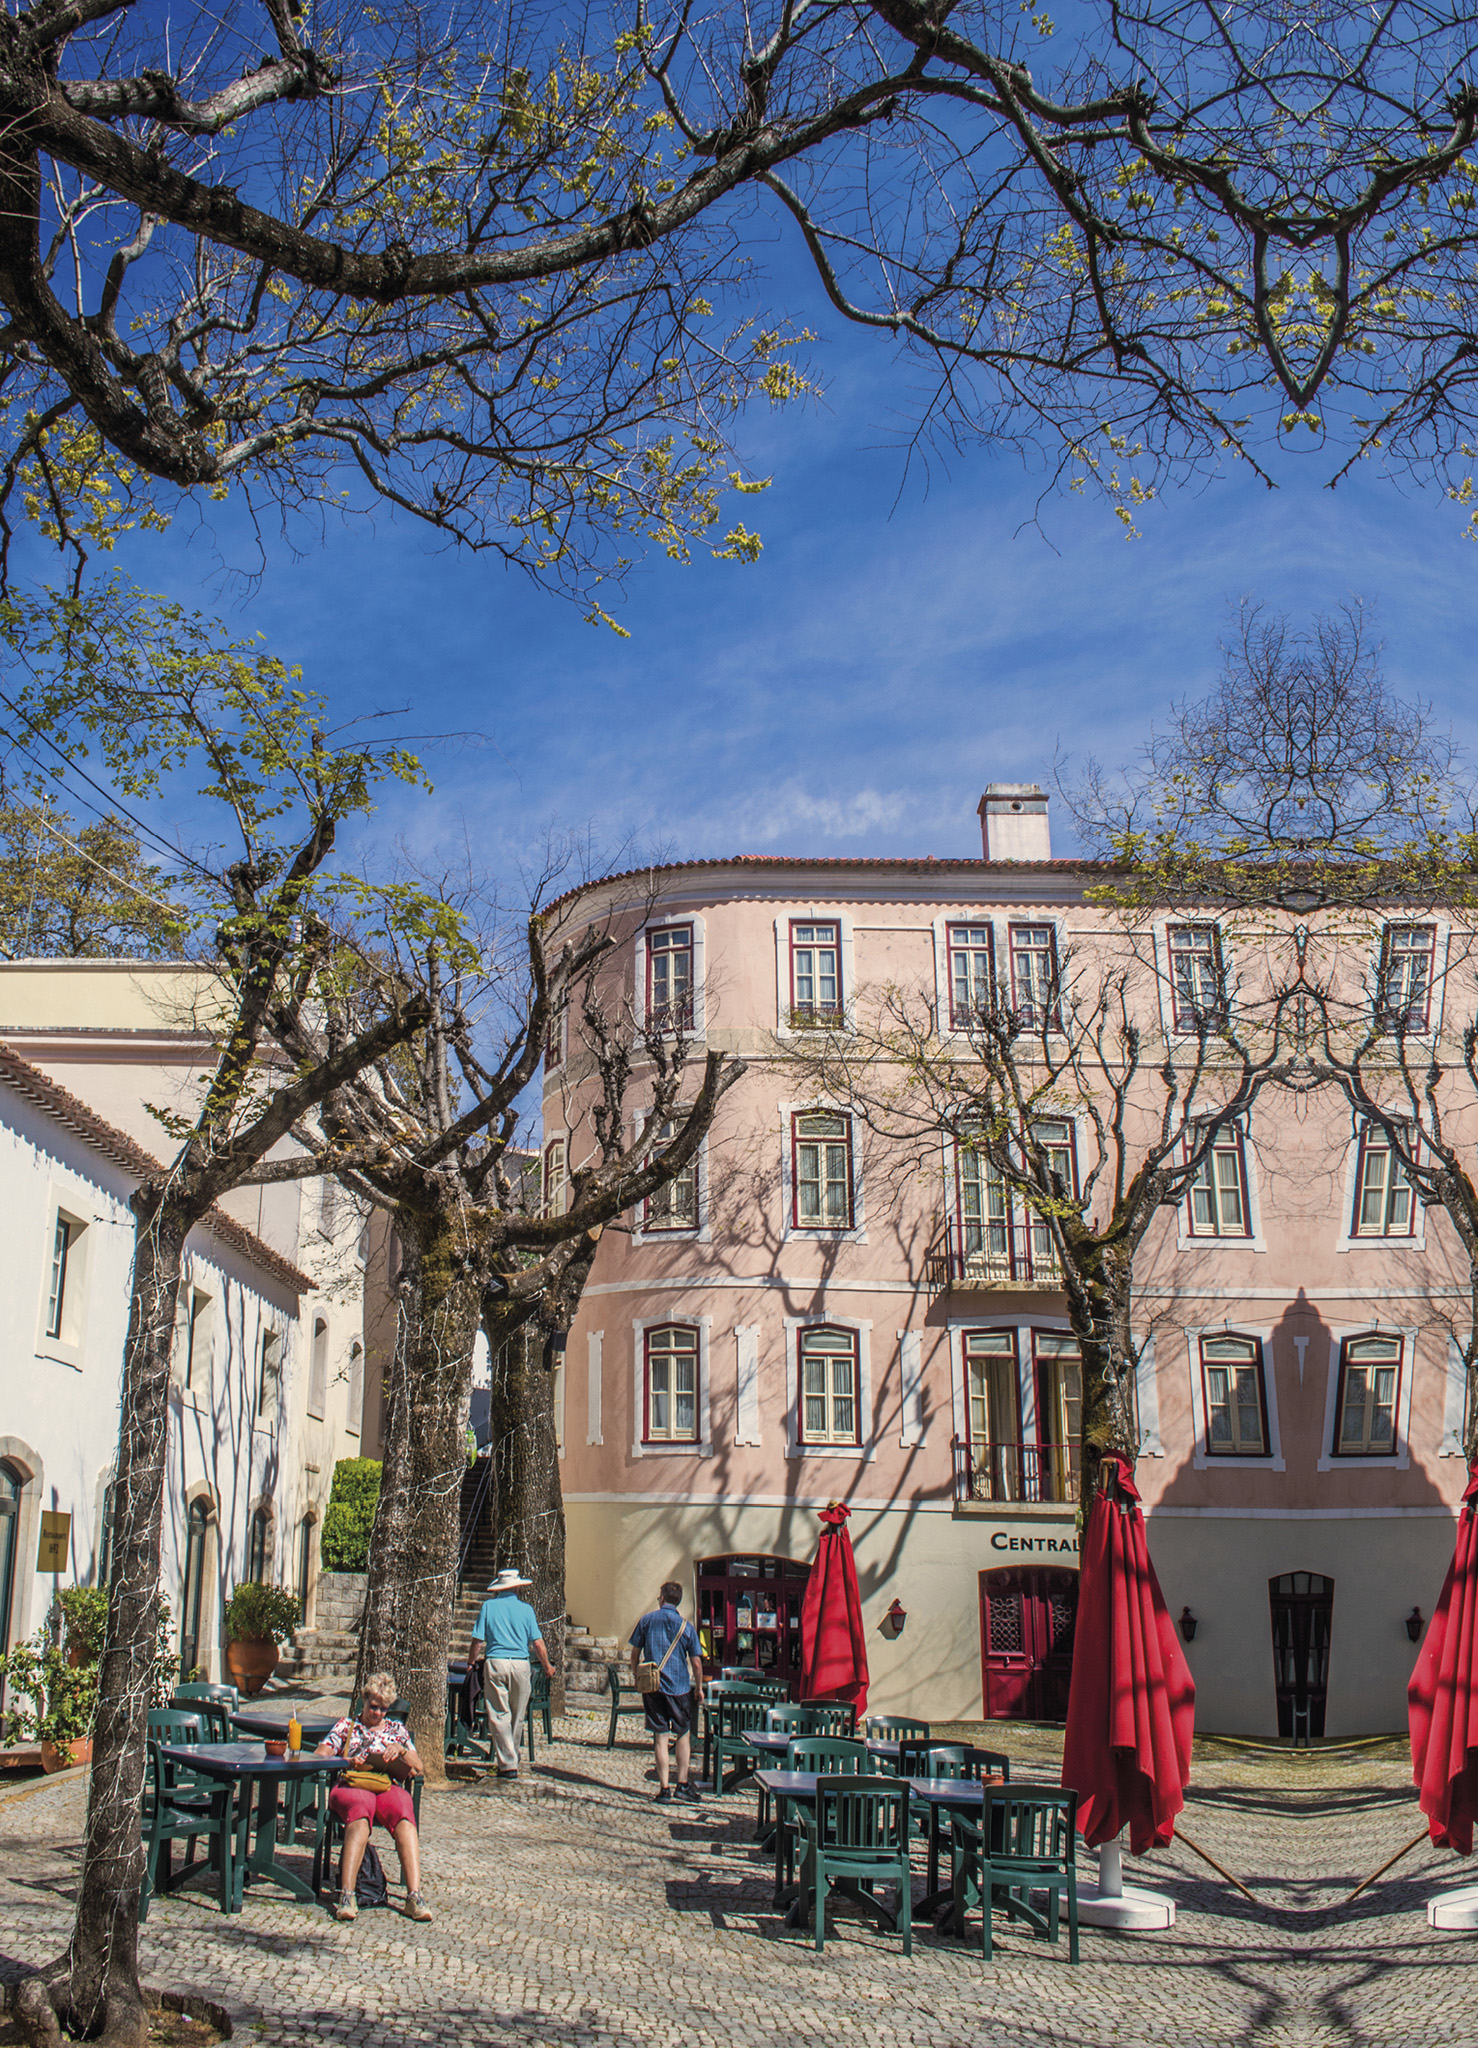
[370, 1888]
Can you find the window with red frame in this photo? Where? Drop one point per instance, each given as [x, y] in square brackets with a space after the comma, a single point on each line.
[972, 972]
[1408, 955]
[670, 978]
[556, 1198]
[1034, 990]
[671, 1385]
[1236, 1400]
[815, 972]
[1369, 1389]
[821, 1167]
[1197, 989]
[1385, 1204]
[829, 1406]
[1217, 1201]
[675, 1206]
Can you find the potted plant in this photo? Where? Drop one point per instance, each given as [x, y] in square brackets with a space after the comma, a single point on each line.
[84, 1617]
[54, 1702]
[258, 1618]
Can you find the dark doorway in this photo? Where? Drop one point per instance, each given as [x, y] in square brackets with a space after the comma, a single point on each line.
[1028, 1615]
[1303, 1610]
[749, 1612]
[192, 1592]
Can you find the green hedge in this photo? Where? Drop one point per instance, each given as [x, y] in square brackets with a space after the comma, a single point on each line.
[350, 1515]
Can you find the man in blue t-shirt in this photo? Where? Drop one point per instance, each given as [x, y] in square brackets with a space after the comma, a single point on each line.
[664, 1637]
[507, 1632]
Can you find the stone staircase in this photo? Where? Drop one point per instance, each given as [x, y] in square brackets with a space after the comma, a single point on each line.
[586, 1658]
[317, 1654]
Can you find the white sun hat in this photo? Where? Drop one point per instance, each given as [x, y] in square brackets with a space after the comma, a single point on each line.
[508, 1581]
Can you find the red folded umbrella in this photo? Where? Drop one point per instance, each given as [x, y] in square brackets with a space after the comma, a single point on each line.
[1131, 1709]
[833, 1649]
[1442, 1700]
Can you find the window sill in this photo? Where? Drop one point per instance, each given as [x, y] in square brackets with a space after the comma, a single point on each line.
[858, 1453]
[665, 1450]
[56, 1353]
[802, 1234]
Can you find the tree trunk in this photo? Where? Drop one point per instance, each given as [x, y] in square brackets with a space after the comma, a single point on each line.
[95, 1986]
[528, 1502]
[1099, 1285]
[413, 1547]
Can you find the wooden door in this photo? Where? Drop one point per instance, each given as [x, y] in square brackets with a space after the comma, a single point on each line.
[749, 1612]
[1027, 1618]
[1303, 1615]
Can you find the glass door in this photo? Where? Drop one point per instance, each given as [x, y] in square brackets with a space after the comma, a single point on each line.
[749, 1613]
[11, 1486]
[1059, 1369]
[1303, 1617]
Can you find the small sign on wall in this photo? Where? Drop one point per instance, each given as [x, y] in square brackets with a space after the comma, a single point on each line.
[56, 1537]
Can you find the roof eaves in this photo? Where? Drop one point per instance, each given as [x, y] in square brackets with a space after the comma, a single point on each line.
[115, 1145]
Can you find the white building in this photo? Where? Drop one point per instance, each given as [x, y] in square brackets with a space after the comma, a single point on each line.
[269, 1367]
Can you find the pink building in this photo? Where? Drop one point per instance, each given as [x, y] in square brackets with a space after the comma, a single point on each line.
[806, 1317]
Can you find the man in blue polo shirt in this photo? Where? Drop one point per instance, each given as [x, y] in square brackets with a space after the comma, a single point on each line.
[664, 1637]
[508, 1633]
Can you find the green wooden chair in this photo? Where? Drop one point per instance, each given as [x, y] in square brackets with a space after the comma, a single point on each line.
[165, 1724]
[740, 1671]
[215, 1705]
[733, 1716]
[715, 1690]
[895, 1728]
[836, 1718]
[172, 1815]
[1024, 1842]
[944, 1760]
[632, 1704]
[854, 1839]
[829, 1756]
[330, 1831]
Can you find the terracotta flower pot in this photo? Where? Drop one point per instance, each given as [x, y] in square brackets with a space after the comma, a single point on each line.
[251, 1664]
[77, 1752]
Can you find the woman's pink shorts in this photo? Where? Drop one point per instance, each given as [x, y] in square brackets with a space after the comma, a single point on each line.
[388, 1808]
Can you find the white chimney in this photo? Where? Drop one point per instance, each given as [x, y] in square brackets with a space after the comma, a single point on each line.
[1013, 822]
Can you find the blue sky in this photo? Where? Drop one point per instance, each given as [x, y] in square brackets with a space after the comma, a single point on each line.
[900, 643]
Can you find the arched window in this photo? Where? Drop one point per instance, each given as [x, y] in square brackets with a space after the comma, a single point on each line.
[307, 1531]
[12, 1485]
[354, 1421]
[192, 1590]
[671, 1385]
[829, 1407]
[318, 1368]
[258, 1546]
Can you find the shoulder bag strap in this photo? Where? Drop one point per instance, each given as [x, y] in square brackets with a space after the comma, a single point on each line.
[671, 1647]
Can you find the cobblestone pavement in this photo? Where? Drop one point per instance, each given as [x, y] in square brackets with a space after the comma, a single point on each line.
[571, 1912]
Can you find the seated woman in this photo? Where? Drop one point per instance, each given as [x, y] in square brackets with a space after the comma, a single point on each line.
[376, 1743]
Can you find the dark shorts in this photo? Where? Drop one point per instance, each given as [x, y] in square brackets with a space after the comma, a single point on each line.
[669, 1713]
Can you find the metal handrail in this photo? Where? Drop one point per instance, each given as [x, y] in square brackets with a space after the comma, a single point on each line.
[474, 1517]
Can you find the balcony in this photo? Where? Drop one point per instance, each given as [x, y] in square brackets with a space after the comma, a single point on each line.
[1015, 1474]
[1014, 1255]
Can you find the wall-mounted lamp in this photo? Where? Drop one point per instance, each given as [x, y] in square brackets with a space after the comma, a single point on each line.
[1414, 1624]
[893, 1621]
[1188, 1624]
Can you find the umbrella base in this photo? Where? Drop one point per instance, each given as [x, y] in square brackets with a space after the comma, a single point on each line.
[1112, 1903]
[1454, 1911]
[1136, 1911]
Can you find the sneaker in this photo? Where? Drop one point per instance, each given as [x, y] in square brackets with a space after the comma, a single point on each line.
[416, 1907]
[690, 1794]
[664, 1795]
[347, 1908]
[509, 1776]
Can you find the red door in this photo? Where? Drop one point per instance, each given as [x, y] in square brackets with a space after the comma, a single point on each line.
[1027, 1617]
[749, 1612]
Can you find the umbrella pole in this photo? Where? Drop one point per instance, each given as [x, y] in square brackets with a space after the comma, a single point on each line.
[1389, 1863]
[1196, 1849]
[1112, 1903]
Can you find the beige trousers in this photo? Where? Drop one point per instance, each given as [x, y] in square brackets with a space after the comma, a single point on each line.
[507, 1683]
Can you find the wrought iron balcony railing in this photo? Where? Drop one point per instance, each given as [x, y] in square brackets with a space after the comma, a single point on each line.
[1015, 1252]
[1015, 1473]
